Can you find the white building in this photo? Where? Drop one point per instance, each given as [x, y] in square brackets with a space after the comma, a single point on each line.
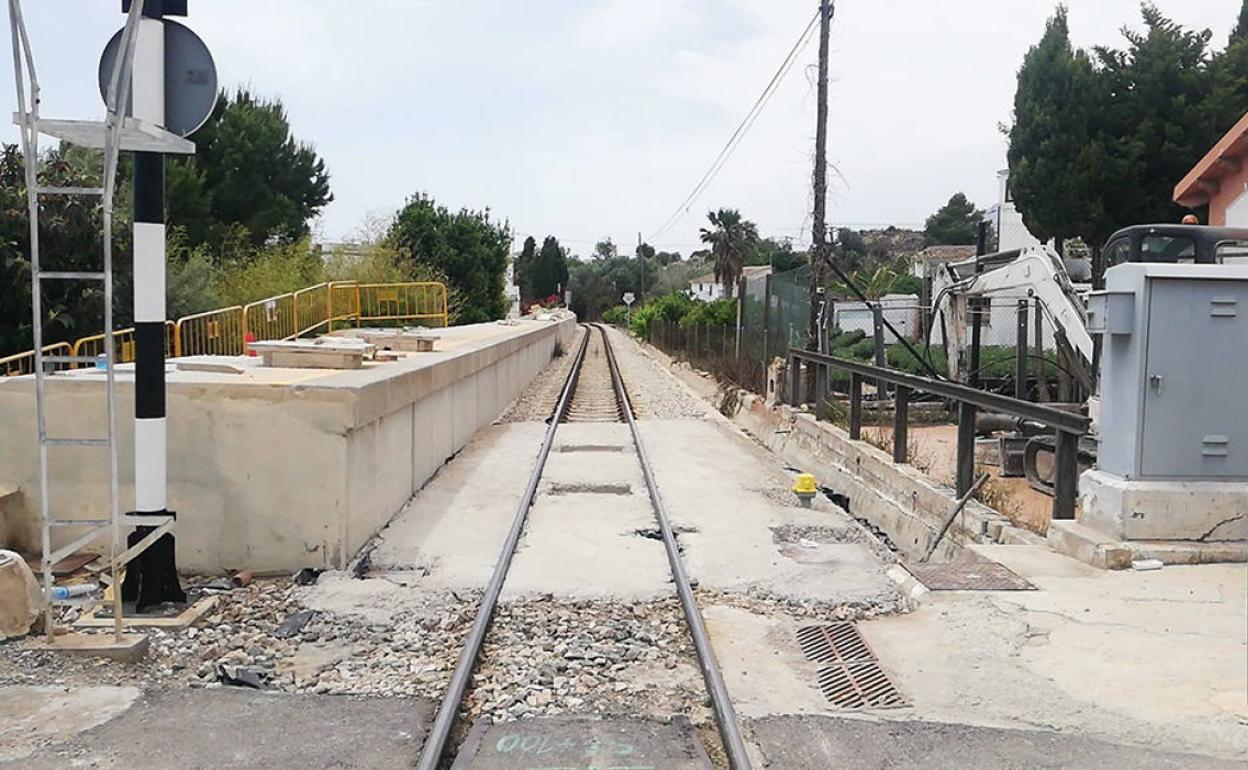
[511, 288]
[707, 289]
[1011, 232]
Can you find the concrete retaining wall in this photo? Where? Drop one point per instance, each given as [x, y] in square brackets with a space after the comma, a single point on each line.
[899, 499]
[278, 469]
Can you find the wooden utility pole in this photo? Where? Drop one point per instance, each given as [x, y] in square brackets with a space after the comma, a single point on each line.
[819, 232]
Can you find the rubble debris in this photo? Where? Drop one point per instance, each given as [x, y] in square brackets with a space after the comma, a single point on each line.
[241, 676]
[217, 584]
[306, 576]
[292, 625]
[243, 578]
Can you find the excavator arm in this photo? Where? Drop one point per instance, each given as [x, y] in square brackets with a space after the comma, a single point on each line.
[1033, 272]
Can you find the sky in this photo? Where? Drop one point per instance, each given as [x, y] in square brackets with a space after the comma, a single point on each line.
[588, 119]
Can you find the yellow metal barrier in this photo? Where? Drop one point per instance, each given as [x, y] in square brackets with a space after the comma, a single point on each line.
[286, 316]
[24, 363]
[402, 302]
[344, 303]
[123, 340]
[217, 333]
[270, 319]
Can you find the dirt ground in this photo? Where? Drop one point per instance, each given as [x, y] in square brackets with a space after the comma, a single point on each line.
[935, 450]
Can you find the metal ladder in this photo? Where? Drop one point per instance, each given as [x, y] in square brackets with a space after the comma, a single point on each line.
[116, 133]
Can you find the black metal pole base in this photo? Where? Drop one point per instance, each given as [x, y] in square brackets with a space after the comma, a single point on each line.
[152, 577]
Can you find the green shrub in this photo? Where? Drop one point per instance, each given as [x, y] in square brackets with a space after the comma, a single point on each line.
[669, 307]
[721, 312]
[616, 316]
[863, 350]
[847, 339]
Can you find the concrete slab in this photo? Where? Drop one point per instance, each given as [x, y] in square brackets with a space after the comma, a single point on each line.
[586, 546]
[452, 531]
[739, 507]
[232, 728]
[763, 666]
[821, 742]
[583, 744]
[33, 716]
[1154, 659]
[131, 647]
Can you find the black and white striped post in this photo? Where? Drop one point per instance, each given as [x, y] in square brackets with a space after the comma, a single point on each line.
[152, 577]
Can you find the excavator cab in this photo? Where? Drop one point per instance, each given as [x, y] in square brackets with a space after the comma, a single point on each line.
[1190, 244]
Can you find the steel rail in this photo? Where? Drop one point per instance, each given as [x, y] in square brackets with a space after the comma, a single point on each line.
[435, 744]
[721, 701]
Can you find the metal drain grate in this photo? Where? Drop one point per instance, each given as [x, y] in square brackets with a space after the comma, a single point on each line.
[859, 685]
[849, 675]
[834, 643]
[968, 576]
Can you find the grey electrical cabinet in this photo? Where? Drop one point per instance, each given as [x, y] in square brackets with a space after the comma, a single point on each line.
[1174, 365]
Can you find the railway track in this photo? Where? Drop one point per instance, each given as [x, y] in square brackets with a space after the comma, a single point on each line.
[593, 392]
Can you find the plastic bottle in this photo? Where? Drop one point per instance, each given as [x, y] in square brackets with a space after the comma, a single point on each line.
[62, 593]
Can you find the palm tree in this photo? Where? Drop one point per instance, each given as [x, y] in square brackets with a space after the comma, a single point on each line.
[873, 285]
[731, 239]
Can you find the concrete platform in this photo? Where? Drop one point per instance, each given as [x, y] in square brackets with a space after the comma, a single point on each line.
[583, 744]
[278, 469]
[223, 728]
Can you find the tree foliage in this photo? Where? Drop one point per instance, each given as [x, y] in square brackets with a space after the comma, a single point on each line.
[466, 246]
[548, 274]
[69, 239]
[1055, 154]
[778, 253]
[732, 239]
[1100, 139]
[249, 178]
[520, 271]
[955, 223]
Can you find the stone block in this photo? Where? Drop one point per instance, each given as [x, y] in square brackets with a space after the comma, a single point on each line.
[1088, 546]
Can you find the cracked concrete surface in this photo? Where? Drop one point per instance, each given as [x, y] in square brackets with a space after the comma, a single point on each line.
[1155, 659]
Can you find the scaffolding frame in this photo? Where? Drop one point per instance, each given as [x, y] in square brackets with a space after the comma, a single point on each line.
[115, 133]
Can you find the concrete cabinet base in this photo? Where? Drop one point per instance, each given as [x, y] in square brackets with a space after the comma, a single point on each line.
[1205, 511]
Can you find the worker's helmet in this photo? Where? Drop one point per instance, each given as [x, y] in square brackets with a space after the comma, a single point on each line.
[1190, 219]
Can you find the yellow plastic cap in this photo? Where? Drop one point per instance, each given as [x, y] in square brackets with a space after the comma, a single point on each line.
[805, 484]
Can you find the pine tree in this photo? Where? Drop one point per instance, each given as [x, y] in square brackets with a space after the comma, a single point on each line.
[1241, 26]
[954, 223]
[1056, 160]
[1155, 96]
[1228, 69]
[550, 269]
[521, 271]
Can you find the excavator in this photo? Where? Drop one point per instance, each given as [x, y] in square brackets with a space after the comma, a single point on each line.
[1060, 288]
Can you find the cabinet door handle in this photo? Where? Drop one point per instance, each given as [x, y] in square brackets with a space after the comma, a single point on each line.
[1154, 380]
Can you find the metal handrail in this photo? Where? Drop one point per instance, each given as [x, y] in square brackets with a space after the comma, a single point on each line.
[1047, 415]
[1068, 426]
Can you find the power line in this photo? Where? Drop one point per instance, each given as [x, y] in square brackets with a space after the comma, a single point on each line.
[740, 132]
